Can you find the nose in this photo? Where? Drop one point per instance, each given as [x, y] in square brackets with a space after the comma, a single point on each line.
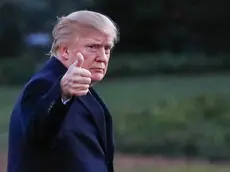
[102, 56]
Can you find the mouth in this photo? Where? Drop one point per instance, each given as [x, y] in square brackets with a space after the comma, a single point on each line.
[101, 70]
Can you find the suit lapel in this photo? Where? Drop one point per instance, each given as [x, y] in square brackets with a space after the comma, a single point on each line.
[97, 113]
[109, 122]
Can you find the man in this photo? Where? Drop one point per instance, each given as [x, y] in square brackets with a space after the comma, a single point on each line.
[59, 123]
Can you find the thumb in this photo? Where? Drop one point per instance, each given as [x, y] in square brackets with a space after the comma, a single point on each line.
[80, 60]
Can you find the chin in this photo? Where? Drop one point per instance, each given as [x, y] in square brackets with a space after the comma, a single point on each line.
[97, 77]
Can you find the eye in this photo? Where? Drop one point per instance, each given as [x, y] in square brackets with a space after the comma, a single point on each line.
[92, 47]
[107, 48]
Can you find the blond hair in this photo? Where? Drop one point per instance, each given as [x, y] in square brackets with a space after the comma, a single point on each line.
[78, 23]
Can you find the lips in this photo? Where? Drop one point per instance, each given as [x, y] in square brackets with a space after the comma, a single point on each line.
[98, 69]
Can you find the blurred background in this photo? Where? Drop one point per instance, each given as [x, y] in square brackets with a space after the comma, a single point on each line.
[168, 85]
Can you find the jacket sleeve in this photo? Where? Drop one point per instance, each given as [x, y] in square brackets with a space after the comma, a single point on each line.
[43, 111]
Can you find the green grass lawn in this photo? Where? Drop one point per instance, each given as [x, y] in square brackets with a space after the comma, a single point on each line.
[156, 164]
[136, 94]
[177, 168]
[141, 93]
[123, 95]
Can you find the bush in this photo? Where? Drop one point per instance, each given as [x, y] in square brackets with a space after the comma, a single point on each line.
[166, 63]
[197, 127]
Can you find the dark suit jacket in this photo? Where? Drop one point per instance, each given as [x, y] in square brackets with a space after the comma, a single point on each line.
[47, 136]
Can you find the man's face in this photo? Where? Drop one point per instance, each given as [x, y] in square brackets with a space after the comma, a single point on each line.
[95, 48]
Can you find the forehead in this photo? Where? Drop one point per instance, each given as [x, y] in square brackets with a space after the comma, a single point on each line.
[96, 37]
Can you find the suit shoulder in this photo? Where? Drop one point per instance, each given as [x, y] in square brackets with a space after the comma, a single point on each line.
[36, 86]
[38, 81]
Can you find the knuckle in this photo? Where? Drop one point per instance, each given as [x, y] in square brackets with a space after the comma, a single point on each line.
[86, 72]
[89, 80]
[85, 87]
[85, 92]
[89, 74]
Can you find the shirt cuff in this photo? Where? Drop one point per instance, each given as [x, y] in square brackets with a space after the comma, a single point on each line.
[66, 101]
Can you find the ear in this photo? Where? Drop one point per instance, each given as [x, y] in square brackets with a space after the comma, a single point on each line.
[63, 52]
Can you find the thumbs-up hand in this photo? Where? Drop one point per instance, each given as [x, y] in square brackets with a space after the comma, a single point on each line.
[76, 80]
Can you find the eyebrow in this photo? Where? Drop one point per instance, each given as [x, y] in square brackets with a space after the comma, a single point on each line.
[106, 44]
[109, 44]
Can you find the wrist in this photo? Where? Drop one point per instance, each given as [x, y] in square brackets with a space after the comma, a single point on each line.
[64, 95]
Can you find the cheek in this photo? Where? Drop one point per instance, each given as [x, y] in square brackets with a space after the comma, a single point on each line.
[107, 62]
[85, 65]
[88, 62]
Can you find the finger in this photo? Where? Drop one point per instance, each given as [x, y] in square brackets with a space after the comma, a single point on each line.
[79, 93]
[82, 72]
[81, 80]
[80, 87]
[80, 60]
